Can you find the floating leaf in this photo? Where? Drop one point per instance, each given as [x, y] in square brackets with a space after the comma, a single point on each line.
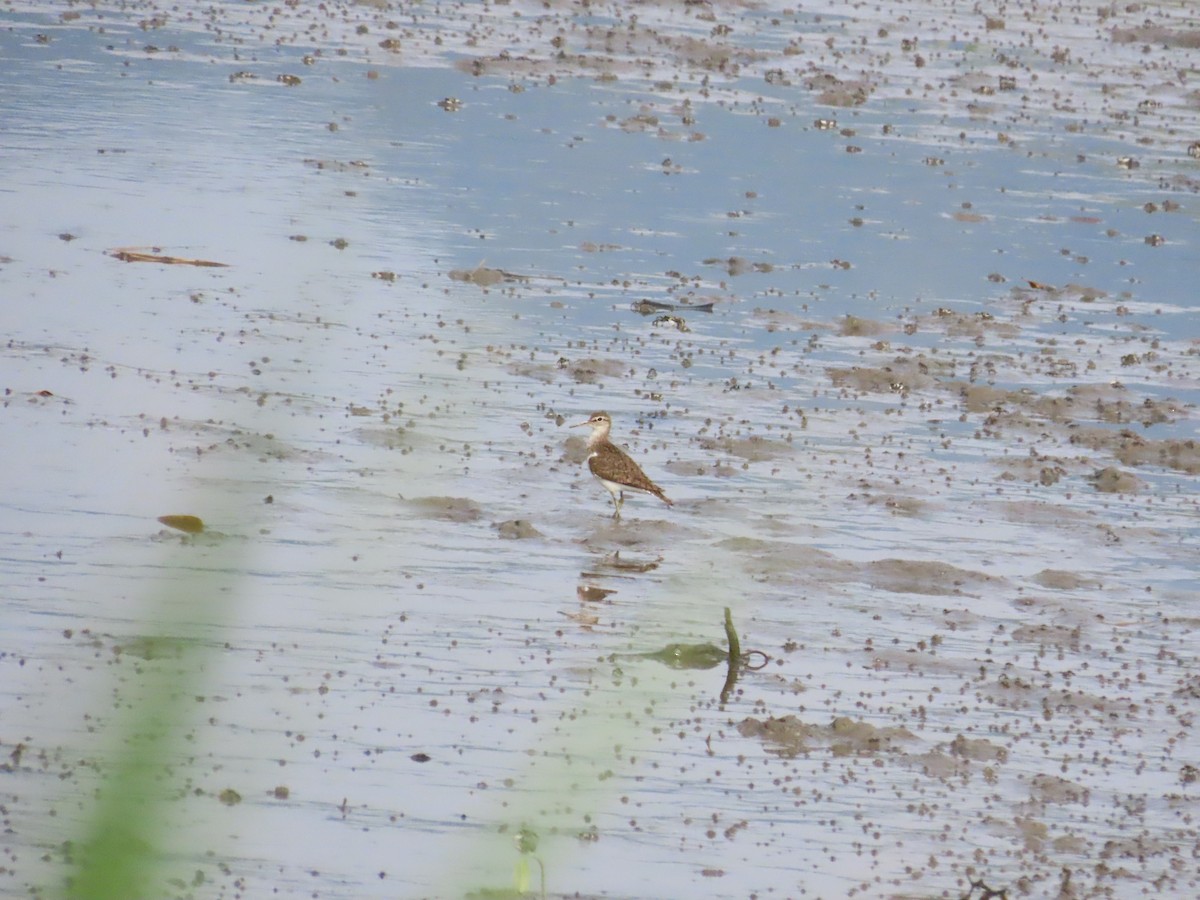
[188, 524]
[689, 656]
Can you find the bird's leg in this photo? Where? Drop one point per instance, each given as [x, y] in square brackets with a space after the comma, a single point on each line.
[618, 500]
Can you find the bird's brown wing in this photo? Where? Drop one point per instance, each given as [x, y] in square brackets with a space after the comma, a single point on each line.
[614, 464]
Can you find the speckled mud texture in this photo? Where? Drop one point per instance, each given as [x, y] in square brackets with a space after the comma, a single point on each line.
[897, 302]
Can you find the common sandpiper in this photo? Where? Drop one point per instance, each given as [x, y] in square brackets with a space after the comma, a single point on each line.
[613, 466]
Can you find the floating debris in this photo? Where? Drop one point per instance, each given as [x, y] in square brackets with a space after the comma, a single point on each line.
[133, 254]
[484, 276]
[230, 797]
[592, 594]
[675, 322]
[650, 307]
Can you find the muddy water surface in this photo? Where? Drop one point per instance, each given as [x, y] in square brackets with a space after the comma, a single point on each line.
[898, 305]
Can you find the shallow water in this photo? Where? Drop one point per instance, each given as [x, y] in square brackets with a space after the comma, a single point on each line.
[934, 322]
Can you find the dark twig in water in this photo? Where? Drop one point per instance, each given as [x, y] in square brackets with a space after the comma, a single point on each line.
[760, 660]
[735, 656]
[738, 660]
[735, 645]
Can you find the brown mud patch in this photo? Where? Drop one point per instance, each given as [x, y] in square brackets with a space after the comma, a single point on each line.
[789, 736]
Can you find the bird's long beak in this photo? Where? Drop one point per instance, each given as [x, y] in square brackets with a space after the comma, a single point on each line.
[577, 424]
